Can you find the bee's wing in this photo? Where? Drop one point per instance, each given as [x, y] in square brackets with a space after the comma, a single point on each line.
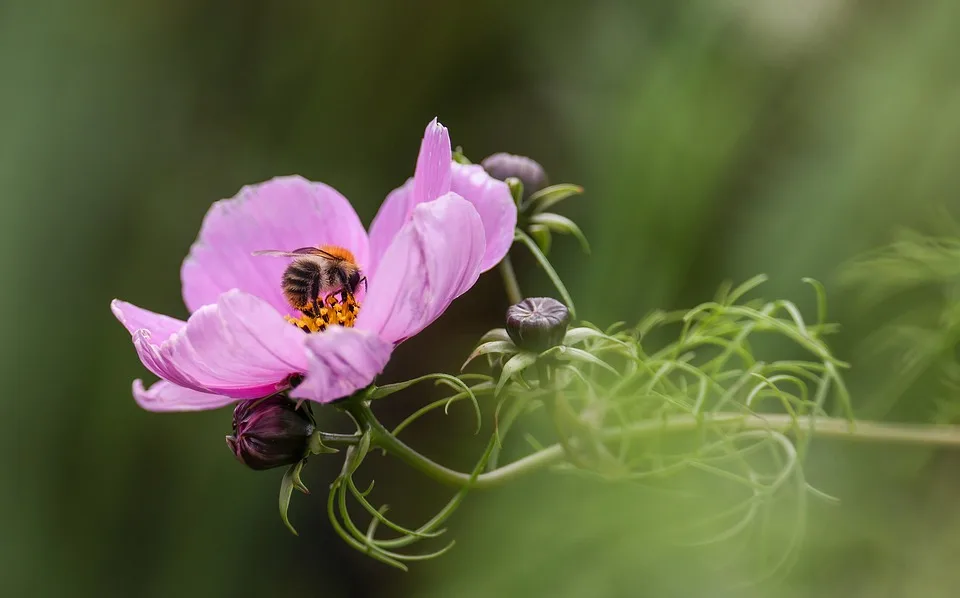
[295, 253]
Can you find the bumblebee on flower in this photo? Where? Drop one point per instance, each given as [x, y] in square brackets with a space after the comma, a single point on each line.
[245, 338]
[292, 301]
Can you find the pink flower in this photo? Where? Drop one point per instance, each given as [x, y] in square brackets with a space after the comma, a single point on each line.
[427, 245]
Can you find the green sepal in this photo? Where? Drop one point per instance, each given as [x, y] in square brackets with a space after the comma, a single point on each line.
[541, 234]
[560, 224]
[580, 334]
[497, 334]
[291, 479]
[574, 354]
[317, 447]
[550, 196]
[514, 366]
[516, 190]
[502, 347]
[459, 158]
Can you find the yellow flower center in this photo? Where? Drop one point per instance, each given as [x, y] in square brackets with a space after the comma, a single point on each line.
[332, 313]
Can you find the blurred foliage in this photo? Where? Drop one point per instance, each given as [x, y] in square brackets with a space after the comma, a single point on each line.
[715, 138]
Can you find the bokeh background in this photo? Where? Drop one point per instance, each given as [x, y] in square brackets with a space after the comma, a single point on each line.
[716, 139]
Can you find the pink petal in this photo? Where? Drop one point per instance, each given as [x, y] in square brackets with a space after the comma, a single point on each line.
[390, 218]
[493, 202]
[284, 213]
[433, 259]
[432, 176]
[341, 361]
[239, 347]
[136, 318]
[430, 180]
[165, 396]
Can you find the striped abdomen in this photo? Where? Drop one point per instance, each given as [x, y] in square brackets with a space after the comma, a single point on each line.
[305, 280]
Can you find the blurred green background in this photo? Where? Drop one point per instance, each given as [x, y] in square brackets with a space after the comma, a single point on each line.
[716, 139]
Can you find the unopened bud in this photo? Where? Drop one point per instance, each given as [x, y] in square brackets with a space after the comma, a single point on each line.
[270, 432]
[503, 166]
[538, 323]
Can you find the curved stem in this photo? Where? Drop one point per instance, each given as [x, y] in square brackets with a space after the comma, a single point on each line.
[828, 427]
[510, 280]
[383, 438]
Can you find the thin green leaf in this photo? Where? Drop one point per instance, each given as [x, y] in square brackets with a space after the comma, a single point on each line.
[475, 377]
[827, 498]
[821, 300]
[441, 517]
[445, 403]
[551, 273]
[550, 196]
[562, 225]
[379, 515]
[388, 389]
[335, 489]
[745, 288]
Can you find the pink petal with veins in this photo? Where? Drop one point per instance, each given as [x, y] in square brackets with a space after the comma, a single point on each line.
[433, 260]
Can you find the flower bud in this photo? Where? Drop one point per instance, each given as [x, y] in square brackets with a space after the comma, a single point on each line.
[538, 323]
[270, 432]
[503, 166]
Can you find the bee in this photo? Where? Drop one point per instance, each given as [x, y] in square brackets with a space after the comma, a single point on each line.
[317, 272]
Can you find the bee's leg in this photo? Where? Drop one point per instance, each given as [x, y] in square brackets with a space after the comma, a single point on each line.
[345, 290]
[314, 291]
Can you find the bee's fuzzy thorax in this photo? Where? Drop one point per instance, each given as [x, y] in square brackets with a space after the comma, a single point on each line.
[340, 252]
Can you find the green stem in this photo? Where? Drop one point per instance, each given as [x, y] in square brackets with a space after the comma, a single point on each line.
[344, 439]
[510, 280]
[828, 427]
[557, 415]
[383, 438]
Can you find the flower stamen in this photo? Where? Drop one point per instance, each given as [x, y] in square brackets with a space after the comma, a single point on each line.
[332, 313]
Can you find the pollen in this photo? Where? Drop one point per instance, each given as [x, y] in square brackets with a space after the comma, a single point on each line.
[333, 313]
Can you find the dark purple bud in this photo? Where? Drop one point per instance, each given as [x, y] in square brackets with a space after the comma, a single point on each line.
[270, 432]
[503, 166]
[538, 323]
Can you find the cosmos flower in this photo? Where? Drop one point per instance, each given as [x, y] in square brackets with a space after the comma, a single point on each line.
[428, 244]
